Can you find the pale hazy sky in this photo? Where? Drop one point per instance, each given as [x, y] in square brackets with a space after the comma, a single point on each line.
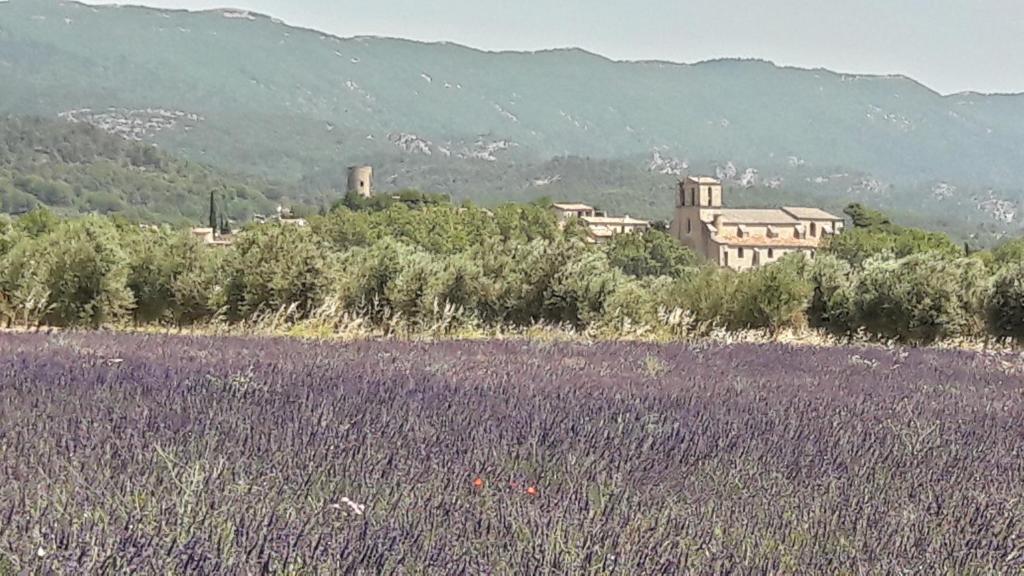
[950, 45]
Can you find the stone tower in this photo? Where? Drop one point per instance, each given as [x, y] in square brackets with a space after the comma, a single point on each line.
[696, 197]
[360, 180]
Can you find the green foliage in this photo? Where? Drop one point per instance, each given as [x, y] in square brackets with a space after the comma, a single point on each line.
[921, 298]
[439, 268]
[863, 217]
[77, 168]
[708, 294]
[833, 283]
[173, 277]
[38, 222]
[273, 267]
[861, 244]
[1006, 302]
[581, 285]
[652, 253]
[1009, 253]
[773, 297]
[410, 198]
[85, 273]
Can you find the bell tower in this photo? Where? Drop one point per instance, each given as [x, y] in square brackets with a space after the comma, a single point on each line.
[694, 197]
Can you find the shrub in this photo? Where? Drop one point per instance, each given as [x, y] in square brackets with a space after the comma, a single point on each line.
[1006, 302]
[274, 267]
[708, 294]
[86, 274]
[580, 286]
[773, 297]
[174, 277]
[921, 298]
[832, 283]
[24, 293]
[634, 305]
[366, 274]
[652, 253]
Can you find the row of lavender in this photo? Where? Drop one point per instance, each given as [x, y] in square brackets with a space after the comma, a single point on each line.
[146, 454]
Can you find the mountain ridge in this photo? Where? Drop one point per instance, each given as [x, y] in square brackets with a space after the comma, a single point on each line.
[555, 49]
[298, 104]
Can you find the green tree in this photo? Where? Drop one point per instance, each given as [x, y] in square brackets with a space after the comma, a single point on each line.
[863, 217]
[651, 253]
[272, 268]
[832, 281]
[1006, 302]
[87, 274]
[773, 297]
[921, 298]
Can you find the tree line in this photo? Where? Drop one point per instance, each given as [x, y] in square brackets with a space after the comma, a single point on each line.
[431, 266]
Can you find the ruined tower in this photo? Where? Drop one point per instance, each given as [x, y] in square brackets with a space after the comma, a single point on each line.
[360, 180]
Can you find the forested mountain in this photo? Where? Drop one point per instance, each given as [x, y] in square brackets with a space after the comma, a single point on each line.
[77, 168]
[249, 93]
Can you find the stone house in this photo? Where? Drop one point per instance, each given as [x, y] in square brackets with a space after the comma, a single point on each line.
[565, 212]
[600, 227]
[745, 238]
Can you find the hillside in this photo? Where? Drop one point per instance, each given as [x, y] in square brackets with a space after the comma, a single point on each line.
[77, 168]
[248, 93]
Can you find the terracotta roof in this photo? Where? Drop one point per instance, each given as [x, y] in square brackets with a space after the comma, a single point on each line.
[811, 214]
[606, 221]
[765, 216]
[601, 232]
[703, 180]
[764, 241]
[572, 207]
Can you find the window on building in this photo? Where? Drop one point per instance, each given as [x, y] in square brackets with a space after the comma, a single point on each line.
[689, 226]
[814, 230]
[693, 196]
[739, 252]
[771, 253]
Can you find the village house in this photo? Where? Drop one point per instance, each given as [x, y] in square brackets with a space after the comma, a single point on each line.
[566, 212]
[745, 238]
[210, 238]
[600, 228]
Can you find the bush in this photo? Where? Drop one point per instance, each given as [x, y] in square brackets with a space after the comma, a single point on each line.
[272, 268]
[921, 298]
[1006, 302]
[580, 287]
[773, 297]
[366, 275]
[173, 277]
[708, 294]
[86, 274]
[652, 253]
[24, 293]
[832, 284]
[634, 305]
[861, 244]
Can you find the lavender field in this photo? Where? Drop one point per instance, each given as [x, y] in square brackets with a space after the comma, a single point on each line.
[153, 454]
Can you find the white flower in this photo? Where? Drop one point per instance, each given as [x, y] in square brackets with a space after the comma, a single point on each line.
[354, 506]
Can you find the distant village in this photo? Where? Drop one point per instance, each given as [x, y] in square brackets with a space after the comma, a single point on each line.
[736, 238]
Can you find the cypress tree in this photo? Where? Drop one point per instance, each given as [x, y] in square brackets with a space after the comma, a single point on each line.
[225, 225]
[213, 211]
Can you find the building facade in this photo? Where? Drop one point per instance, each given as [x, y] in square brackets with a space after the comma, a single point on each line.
[566, 211]
[745, 238]
[600, 228]
[360, 180]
